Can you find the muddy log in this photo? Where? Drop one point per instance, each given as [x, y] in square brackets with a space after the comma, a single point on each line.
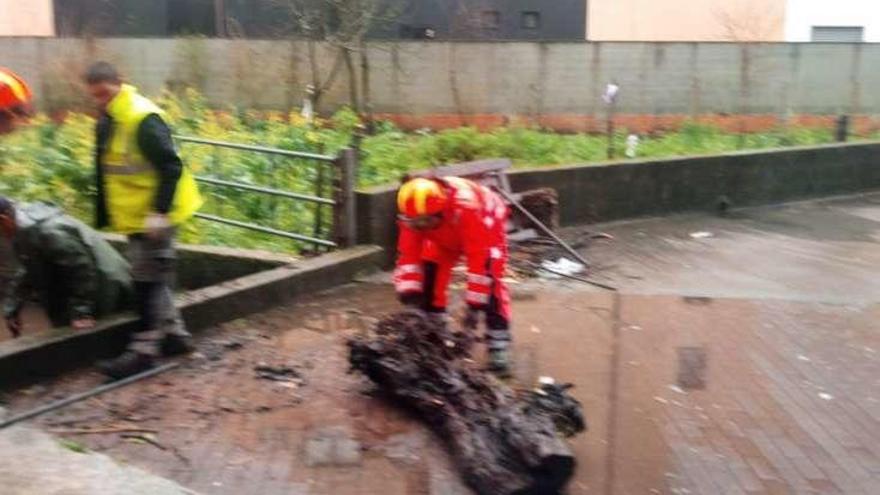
[503, 442]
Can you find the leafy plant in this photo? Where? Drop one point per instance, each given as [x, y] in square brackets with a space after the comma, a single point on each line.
[54, 162]
[73, 446]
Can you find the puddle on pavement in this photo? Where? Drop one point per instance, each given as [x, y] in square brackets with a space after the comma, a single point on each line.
[692, 364]
[697, 300]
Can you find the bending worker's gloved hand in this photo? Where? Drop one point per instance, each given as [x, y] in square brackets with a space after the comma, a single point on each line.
[83, 323]
[14, 324]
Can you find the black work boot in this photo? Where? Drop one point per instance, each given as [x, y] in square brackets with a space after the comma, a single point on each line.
[127, 364]
[174, 345]
[499, 363]
[439, 318]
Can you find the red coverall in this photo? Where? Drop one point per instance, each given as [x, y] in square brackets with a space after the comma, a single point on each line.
[474, 225]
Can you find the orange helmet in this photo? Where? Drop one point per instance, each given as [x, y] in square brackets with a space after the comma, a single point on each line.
[15, 95]
[419, 197]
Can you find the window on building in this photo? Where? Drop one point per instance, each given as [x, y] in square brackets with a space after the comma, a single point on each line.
[490, 19]
[838, 34]
[531, 20]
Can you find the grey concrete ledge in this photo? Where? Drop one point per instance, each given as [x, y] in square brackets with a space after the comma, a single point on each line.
[48, 353]
[760, 152]
[615, 190]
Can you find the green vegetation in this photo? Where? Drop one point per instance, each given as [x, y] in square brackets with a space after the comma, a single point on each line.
[73, 446]
[53, 161]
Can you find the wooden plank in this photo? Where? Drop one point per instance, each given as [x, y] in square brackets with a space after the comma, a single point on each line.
[467, 169]
[522, 235]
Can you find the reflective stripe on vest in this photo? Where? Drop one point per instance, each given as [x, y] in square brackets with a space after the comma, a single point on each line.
[127, 169]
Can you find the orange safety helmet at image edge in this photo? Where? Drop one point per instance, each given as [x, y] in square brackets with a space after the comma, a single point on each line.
[15, 95]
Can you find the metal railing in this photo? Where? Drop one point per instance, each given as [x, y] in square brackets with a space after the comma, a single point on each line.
[342, 180]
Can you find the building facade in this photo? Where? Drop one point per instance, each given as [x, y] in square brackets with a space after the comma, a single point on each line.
[850, 21]
[837, 21]
[488, 19]
[27, 18]
[556, 20]
[686, 20]
[398, 19]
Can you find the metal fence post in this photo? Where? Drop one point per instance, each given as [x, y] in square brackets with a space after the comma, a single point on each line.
[842, 128]
[343, 184]
[346, 209]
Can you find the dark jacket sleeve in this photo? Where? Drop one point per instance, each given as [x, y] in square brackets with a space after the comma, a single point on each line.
[14, 291]
[157, 146]
[102, 137]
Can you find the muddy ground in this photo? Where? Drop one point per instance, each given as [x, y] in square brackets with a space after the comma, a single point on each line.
[742, 360]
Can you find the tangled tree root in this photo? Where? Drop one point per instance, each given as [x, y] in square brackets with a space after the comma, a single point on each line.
[503, 442]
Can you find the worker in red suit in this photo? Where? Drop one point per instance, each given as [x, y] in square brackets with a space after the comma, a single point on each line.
[441, 221]
[15, 100]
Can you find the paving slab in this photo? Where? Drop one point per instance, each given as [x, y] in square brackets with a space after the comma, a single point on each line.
[822, 251]
[33, 462]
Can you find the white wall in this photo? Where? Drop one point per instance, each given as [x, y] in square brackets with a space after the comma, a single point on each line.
[685, 20]
[26, 18]
[802, 15]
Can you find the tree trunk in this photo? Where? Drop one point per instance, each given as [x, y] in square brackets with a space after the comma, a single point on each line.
[316, 76]
[220, 19]
[352, 80]
[319, 87]
[365, 89]
[503, 442]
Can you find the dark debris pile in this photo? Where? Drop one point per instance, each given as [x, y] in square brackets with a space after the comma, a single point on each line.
[504, 442]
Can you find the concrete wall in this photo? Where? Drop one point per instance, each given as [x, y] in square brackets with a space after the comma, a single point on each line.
[589, 194]
[686, 20]
[803, 15]
[436, 83]
[26, 18]
[613, 191]
[204, 266]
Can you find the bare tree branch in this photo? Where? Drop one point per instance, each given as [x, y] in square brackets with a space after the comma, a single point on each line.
[343, 24]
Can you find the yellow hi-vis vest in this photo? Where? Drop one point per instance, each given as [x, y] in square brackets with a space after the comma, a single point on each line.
[130, 181]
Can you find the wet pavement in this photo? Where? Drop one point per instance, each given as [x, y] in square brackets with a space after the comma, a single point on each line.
[825, 251]
[741, 356]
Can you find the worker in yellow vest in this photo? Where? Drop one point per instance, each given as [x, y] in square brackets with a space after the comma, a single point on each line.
[144, 192]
